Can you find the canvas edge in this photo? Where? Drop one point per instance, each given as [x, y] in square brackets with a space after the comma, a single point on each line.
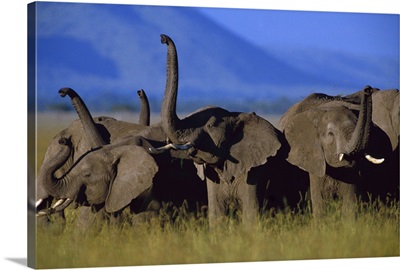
[31, 118]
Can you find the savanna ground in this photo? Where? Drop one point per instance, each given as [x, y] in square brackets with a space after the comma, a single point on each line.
[287, 235]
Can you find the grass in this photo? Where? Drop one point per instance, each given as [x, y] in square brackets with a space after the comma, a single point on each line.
[285, 236]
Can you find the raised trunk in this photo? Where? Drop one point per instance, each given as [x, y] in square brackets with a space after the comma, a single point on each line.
[169, 118]
[94, 138]
[360, 137]
[144, 118]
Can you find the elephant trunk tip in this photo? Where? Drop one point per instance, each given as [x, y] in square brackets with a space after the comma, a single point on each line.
[368, 90]
[142, 94]
[67, 91]
[165, 39]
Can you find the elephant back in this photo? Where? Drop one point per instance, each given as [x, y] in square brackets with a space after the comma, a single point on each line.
[316, 100]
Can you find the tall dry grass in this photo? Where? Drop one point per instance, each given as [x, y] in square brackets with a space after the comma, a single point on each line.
[285, 236]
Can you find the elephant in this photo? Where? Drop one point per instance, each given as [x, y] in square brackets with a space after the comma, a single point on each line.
[382, 182]
[386, 116]
[230, 149]
[111, 177]
[330, 138]
[110, 129]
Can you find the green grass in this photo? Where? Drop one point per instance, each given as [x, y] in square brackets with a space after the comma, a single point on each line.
[286, 236]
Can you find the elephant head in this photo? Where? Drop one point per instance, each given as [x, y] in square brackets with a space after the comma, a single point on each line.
[114, 174]
[330, 134]
[230, 142]
[228, 148]
[83, 134]
[56, 154]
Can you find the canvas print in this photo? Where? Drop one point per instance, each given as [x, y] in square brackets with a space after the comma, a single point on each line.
[186, 135]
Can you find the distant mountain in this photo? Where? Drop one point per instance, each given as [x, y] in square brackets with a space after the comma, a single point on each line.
[347, 71]
[107, 52]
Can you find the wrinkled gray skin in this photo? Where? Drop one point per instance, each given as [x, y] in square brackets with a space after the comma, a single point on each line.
[144, 118]
[229, 148]
[112, 177]
[329, 138]
[110, 129]
[383, 181]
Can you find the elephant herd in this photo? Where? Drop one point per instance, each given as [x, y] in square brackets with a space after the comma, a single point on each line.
[346, 146]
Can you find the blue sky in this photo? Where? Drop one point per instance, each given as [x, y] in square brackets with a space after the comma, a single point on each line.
[341, 31]
[114, 49]
[321, 38]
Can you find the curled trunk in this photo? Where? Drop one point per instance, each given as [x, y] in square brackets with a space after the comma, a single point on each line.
[144, 118]
[360, 137]
[57, 187]
[94, 139]
[89, 127]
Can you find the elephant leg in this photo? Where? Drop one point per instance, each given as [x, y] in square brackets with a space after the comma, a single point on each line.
[348, 192]
[59, 221]
[317, 200]
[55, 222]
[143, 218]
[248, 196]
[215, 205]
[89, 222]
[43, 221]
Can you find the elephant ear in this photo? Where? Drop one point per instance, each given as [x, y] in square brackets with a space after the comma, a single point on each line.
[385, 107]
[255, 140]
[305, 149]
[135, 169]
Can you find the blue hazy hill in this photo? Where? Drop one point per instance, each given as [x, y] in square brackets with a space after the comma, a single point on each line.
[107, 52]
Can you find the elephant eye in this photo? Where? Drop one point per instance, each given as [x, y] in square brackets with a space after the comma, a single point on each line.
[211, 122]
[63, 141]
[330, 134]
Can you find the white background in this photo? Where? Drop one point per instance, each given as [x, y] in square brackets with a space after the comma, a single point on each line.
[13, 129]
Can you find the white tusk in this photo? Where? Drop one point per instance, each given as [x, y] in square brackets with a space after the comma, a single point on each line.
[374, 160]
[175, 146]
[41, 213]
[38, 202]
[159, 149]
[341, 155]
[185, 146]
[64, 203]
[58, 203]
